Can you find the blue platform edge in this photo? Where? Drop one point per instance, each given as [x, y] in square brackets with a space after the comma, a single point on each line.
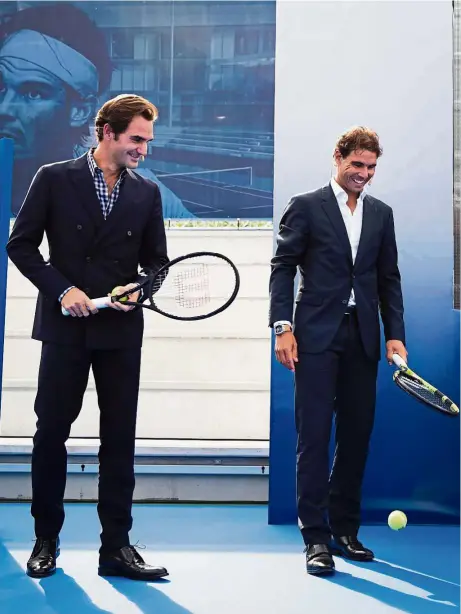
[6, 181]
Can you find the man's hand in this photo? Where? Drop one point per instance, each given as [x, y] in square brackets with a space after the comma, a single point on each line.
[78, 304]
[395, 347]
[286, 350]
[131, 297]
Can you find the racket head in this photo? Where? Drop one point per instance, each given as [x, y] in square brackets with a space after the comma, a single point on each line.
[196, 286]
[425, 394]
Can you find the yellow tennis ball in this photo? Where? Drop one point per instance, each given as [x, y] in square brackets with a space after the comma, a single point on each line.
[397, 520]
[115, 291]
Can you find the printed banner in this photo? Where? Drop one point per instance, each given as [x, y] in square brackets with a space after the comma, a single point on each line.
[207, 65]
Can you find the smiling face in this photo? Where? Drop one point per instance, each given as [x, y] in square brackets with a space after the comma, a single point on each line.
[128, 148]
[355, 170]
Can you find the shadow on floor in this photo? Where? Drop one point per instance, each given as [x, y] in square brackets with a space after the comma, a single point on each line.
[403, 589]
[146, 597]
[61, 594]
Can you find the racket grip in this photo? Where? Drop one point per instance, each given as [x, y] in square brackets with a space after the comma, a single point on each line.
[99, 303]
[398, 360]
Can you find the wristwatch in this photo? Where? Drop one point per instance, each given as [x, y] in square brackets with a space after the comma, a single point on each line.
[282, 328]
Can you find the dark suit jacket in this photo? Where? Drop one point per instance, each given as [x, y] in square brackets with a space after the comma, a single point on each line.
[87, 251]
[312, 236]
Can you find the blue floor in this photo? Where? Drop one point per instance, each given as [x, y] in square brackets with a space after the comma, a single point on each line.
[227, 560]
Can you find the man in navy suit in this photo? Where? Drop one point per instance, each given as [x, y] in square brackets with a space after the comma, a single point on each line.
[104, 226]
[342, 241]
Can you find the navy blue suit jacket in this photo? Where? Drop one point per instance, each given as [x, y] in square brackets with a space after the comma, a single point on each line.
[87, 251]
[312, 238]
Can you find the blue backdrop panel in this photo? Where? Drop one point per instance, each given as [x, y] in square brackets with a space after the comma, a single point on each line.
[6, 175]
[414, 457]
[415, 451]
[281, 446]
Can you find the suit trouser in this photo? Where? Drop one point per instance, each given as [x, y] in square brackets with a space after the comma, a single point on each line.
[340, 381]
[62, 381]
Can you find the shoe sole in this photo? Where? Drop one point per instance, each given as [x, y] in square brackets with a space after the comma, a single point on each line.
[320, 571]
[107, 571]
[32, 574]
[351, 557]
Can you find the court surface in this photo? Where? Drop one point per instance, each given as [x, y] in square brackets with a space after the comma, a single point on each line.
[218, 173]
[226, 559]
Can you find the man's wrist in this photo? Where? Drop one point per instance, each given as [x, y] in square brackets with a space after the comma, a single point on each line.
[282, 326]
[65, 292]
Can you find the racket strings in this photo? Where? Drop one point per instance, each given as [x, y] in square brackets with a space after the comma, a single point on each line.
[413, 386]
[194, 286]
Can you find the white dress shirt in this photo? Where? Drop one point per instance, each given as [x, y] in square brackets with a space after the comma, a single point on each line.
[353, 223]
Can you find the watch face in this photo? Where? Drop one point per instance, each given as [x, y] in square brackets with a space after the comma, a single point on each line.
[278, 329]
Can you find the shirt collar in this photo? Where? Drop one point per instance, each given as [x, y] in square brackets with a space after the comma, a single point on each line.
[92, 163]
[94, 168]
[341, 195]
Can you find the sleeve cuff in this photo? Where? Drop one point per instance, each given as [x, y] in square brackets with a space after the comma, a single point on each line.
[282, 322]
[65, 292]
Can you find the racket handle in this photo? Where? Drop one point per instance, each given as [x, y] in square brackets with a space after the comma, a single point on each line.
[99, 303]
[398, 360]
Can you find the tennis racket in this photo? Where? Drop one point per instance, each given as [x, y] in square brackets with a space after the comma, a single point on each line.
[417, 387]
[196, 286]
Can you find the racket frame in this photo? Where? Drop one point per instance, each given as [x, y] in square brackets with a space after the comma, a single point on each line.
[149, 281]
[451, 408]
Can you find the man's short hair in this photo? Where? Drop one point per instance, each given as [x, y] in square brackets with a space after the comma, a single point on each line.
[358, 138]
[121, 110]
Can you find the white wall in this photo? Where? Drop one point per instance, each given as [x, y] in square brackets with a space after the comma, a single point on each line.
[200, 380]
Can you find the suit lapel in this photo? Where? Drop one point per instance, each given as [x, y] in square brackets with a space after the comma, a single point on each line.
[124, 203]
[331, 208]
[83, 183]
[368, 227]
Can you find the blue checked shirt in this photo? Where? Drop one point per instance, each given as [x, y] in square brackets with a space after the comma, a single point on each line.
[107, 201]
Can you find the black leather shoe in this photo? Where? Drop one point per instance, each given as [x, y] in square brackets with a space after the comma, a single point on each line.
[351, 548]
[319, 560]
[126, 562]
[42, 562]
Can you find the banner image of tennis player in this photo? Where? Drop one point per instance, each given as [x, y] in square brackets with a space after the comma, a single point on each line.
[207, 65]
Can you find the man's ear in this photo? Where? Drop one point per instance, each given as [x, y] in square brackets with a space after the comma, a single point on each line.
[82, 111]
[108, 132]
[337, 157]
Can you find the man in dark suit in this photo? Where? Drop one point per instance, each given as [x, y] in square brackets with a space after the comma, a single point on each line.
[343, 243]
[103, 224]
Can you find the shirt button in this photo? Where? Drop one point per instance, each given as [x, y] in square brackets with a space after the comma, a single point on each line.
[344, 302]
[129, 233]
[88, 258]
[79, 226]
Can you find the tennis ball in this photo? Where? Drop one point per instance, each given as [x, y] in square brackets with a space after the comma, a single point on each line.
[115, 291]
[397, 520]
